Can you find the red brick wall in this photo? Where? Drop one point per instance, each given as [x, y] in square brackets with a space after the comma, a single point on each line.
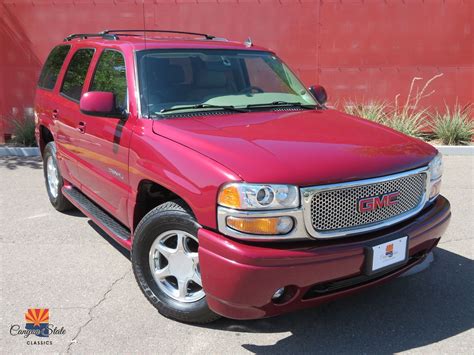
[357, 49]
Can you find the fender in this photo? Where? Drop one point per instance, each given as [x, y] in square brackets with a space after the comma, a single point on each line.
[187, 173]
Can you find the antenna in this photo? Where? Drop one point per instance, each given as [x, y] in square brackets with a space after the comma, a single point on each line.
[248, 42]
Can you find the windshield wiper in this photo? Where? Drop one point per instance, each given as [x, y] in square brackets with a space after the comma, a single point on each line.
[199, 106]
[282, 103]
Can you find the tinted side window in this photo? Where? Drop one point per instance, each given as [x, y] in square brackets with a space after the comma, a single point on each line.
[110, 76]
[52, 67]
[76, 73]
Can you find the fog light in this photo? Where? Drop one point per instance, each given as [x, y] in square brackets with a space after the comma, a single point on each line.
[268, 226]
[278, 293]
[285, 294]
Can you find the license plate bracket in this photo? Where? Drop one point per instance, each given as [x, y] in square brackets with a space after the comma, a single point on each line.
[386, 255]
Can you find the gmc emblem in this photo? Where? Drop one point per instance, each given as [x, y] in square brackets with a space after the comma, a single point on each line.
[373, 203]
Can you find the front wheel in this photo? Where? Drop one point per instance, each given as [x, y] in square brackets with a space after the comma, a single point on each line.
[165, 262]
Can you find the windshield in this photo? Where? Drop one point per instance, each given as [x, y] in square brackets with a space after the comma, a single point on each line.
[204, 79]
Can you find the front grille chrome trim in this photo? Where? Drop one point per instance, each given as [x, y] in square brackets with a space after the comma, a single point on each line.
[307, 194]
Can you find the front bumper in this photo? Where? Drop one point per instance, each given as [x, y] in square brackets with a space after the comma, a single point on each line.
[239, 278]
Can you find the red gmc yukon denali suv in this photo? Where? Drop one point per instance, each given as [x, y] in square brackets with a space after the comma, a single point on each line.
[237, 191]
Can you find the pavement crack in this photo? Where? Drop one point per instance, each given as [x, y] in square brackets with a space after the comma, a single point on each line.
[91, 309]
[453, 240]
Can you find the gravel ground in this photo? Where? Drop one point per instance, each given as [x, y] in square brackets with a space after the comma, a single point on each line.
[65, 263]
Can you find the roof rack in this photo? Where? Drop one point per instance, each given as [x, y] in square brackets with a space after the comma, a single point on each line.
[114, 34]
[87, 35]
[206, 36]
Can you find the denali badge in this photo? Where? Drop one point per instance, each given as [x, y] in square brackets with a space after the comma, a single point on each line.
[372, 203]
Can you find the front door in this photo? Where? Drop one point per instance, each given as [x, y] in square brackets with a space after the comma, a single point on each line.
[103, 151]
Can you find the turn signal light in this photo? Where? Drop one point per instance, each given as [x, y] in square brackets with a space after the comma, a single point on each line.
[264, 226]
[229, 196]
[435, 188]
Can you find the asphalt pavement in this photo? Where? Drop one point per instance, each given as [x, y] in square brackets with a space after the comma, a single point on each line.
[64, 262]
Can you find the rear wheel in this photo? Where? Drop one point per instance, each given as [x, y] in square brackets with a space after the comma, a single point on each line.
[165, 262]
[53, 179]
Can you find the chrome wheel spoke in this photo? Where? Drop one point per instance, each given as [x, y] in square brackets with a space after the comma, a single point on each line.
[165, 251]
[180, 241]
[162, 273]
[182, 288]
[197, 278]
[195, 258]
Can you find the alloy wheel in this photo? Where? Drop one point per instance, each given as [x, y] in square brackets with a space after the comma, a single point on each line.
[52, 174]
[174, 264]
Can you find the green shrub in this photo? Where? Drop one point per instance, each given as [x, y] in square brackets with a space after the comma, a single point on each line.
[407, 118]
[373, 111]
[24, 132]
[454, 127]
[407, 122]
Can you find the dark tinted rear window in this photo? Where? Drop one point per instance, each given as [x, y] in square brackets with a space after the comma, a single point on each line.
[52, 66]
[76, 73]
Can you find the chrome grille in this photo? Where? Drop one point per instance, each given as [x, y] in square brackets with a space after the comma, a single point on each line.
[337, 208]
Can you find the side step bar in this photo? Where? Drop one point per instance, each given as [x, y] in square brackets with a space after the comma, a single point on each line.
[97, 214]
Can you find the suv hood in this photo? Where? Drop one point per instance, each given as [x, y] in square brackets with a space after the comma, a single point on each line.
[298, 147]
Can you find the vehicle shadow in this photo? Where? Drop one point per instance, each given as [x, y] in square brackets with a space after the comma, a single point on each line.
[110, 240]
[406, 313]
[74, 213]
[14, 162]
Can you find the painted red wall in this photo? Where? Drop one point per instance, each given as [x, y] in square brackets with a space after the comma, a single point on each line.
[357, 49]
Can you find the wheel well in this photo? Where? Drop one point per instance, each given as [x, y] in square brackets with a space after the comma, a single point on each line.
[150, 195]
[45, 137]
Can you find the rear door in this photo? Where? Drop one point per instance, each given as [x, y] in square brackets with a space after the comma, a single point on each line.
[68, 134]
[47, 105]
[103, 149]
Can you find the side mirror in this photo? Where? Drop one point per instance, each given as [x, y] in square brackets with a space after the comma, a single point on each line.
[99, 103]
[319, 93]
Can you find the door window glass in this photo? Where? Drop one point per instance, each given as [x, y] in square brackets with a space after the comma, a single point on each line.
[76, 73]
[110, 76]
[52, 67]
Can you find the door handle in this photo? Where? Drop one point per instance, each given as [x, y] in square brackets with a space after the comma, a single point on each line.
[55, 114]
[82, 127]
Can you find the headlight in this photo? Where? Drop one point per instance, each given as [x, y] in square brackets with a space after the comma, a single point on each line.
[436, 167]
[436, 172]
[244, 196]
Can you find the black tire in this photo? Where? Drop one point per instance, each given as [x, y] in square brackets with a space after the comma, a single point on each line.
[166, 217]
[59, 202]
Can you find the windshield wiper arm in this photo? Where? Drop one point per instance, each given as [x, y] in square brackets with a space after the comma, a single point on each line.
[282, 103]
[199, 106]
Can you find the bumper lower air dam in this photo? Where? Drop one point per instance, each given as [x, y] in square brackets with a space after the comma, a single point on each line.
[240, 278]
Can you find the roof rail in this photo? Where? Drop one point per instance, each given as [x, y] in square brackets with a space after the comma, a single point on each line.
[87, 35]
[107, 32]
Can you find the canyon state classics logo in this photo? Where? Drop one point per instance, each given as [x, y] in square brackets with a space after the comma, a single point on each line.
[37, 325]
[389, 250]
[37, 319]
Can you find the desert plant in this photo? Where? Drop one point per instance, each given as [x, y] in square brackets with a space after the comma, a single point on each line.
[373, 111]
[409, 123]
[408, 118]
[453, 127]
[24, 132]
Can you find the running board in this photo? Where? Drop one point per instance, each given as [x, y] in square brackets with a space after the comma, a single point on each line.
[97, 214]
